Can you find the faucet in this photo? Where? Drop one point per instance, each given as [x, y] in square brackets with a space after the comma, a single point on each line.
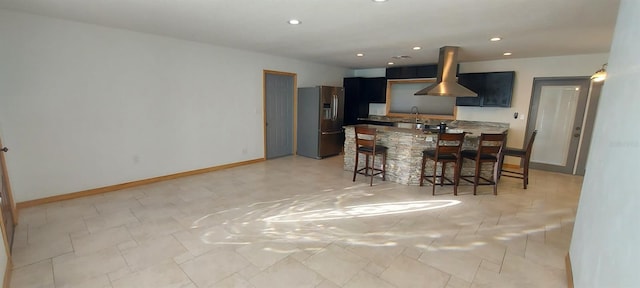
[415, 108]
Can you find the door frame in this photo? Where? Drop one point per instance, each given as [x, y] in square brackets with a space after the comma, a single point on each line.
[265, 72]
[3, 162]
[14, 214]
[587, 132]
[582, 102]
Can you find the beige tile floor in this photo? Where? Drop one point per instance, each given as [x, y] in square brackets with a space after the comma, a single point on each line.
[299, 222]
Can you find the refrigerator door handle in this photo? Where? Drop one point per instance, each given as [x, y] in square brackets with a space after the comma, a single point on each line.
[335, 107]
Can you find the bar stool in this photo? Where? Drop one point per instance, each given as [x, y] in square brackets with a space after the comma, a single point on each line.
[489, 151]
[366, 144]
[525, 155]
[447, 150]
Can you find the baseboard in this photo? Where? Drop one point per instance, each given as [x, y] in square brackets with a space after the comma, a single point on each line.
[567, 262]
[117, 187]
[7, 273]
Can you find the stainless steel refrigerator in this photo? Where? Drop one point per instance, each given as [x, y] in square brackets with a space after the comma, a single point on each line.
[320, 118]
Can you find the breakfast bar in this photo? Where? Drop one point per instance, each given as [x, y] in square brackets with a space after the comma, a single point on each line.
[404, 157]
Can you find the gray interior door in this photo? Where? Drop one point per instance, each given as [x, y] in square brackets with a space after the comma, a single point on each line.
[279, 90]
[556, 111]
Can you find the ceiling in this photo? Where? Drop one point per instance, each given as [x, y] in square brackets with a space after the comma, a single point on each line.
[333, 31]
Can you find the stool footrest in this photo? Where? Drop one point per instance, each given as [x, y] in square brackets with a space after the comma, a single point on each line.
[374, 172]
[487, 181]
[447, 180]
[518, 175]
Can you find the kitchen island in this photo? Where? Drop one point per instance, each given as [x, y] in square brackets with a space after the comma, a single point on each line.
[404, 157]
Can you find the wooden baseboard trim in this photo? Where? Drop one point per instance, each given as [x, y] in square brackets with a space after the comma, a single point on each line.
[510, 166]
[117, 187]
[567, 262]
[7, 273]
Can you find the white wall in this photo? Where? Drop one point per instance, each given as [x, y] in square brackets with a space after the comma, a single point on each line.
[605, 247]
[86, 106]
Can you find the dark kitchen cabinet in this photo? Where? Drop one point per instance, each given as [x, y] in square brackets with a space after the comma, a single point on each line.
[375, 89]
[358, 93]
[495, 89]
[412, 72]
[473, 81]
[356, 104]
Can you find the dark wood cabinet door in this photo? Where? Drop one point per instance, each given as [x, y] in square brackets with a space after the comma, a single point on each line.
[498, 89]
[474, 82]
[352, 91]
[412, 72]
[375, 89]
[406, 72]
[494, 89]
[427, 71]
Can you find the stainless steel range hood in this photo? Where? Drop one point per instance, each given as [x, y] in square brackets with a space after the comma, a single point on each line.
[446, 84]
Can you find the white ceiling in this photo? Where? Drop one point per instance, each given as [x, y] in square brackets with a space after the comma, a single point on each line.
[333, 31]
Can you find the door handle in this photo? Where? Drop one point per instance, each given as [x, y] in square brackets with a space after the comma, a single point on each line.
[335, 107]
[4, 149]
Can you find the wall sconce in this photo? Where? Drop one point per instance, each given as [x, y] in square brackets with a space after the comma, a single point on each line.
[600, 75]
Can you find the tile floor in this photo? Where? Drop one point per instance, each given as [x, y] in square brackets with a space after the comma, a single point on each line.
[299, 222]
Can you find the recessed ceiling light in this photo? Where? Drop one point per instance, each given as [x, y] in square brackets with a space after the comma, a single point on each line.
[360, 54]
[417, 48]
[390, 63]
[379, 1]
[506, 53]
[494, 39]
[294, 22]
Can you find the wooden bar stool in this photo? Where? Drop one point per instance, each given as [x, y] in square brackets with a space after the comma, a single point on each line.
[366, 144]
[447, 150]
[489, 151]
[525, 155]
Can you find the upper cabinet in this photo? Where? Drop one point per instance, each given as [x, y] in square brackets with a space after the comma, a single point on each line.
[375, 89]
[494, 89]
[412, 72]
[355, 104]
[358, 93]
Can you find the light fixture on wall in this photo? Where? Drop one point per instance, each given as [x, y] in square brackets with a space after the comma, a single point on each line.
[601, 74]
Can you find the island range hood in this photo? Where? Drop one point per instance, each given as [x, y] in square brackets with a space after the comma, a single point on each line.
[446, 84]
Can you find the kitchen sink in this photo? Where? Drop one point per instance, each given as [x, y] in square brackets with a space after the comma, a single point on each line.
[409, 125]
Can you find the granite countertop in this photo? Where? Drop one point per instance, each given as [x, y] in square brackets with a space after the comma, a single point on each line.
[472, 130]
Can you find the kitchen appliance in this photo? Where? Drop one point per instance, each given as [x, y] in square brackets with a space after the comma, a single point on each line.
[446, 83]
[320, 120]
[442, 127]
